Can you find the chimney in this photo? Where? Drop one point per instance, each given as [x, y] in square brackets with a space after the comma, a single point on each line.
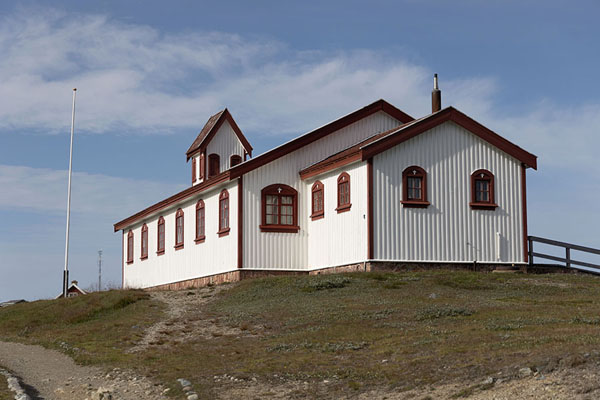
[436, 96]
[74, 282]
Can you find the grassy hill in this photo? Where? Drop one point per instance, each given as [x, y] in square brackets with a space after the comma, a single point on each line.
[355, 331]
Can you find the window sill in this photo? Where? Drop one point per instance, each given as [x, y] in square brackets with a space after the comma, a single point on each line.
[200, 239]
[415, 203]
[129, 262]
[483, 206]
[178, 246]
[144, 258]
[223, 232]
[280, 228]
[316, 216]
[160, 253]
[344, 208]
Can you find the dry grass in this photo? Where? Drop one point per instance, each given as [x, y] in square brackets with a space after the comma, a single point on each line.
[358, 331]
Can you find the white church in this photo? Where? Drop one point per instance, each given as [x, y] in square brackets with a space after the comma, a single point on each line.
[374, 189]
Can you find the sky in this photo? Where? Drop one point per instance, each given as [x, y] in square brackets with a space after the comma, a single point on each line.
[150, 73]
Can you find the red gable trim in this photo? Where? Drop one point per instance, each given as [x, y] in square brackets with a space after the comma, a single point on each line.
[184, 194]
[202, 142]
[449, 114]
[295, 144]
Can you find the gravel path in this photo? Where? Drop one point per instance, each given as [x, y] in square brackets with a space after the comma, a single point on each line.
[56, 376]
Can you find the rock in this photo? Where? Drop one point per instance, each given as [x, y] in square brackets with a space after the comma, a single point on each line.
[184, 382]
[433, 296]
[488, 381]
[192, 396]
[525, 372]
[187, 389]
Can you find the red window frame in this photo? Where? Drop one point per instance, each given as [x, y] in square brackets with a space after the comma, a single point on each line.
[202, 166]
[193, 170]
[317, 200]
[223, 213]
[482, 177]
[214, 165]
[144, 243]
[343, 193]
[200, 222]
[160, 236]
[279, 191]
[130, 247]
[234, 160]
[179, 222]
[409, 199]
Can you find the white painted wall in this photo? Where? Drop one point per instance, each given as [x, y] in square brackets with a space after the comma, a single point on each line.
[338, 239]
[448, 230]
[225, 143]
[215, 255]
[274, 250]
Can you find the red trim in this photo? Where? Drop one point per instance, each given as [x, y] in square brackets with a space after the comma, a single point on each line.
[487, 176]
[202, 165]
[160, 250]
[279, 190]
[316, 188]
[234, 160]
[193, 170]
[240, 207]
[417, 172]
[189, 192]
[331, 164]
[200, 206]
[524, 199]
[144, 255]
[223, 229]
[179, 214]
[274, 154]
[130, 247]
[370, 248]
[208, 132]
[343, 179]
[448, 114]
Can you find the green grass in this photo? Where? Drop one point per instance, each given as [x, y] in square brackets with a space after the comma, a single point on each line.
[358, 331]
[5, 393]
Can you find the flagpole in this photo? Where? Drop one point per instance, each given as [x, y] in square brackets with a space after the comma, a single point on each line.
[66, 271]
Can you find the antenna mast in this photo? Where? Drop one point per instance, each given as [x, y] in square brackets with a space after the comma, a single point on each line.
[66, 271]
[99, 270]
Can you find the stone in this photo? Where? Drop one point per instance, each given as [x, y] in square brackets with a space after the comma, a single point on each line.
[192, 396]
[433, 296]
[525, 372]
[184, 382]
[488, 381]
[187, 389]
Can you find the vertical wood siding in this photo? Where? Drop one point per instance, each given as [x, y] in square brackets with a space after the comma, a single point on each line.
[448, 230]
[276, 250]
[215, 255]
[225, 143]
[338, 239]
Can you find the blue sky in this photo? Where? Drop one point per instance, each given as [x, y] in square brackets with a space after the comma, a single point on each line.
[150, 74]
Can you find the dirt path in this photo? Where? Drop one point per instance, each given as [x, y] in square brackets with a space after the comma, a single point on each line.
[54, 375]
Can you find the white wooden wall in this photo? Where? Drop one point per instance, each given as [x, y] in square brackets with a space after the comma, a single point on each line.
[225, 143]
[274, 250]
[215, 255]
[338, 239]
[448, 230]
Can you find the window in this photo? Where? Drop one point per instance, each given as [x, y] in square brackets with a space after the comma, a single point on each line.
[200, 222]
[223, 213]
[234, 160]
[144, 242]
[343, 193]
[214, 163]
[279, 209]
[318, 209]
[130, 247]
[201, 165]
[482, 190]
[179, 229]
[193, 169]
[414, 187]
[160, 237]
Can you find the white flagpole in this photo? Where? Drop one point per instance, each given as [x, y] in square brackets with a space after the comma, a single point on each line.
[66, 271]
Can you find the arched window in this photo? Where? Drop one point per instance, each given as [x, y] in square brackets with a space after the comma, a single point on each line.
[223, 213]
[193, 169]
[214, 165]
[179, 229]
[414, 187]
[234, 160]
[144, 242]
[200, 222]
[279, 209]
[343, 196]
[482, 190]
[129, 247]
[317, 200]
[160, 236]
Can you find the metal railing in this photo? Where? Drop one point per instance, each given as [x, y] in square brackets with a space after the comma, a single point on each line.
[567, 260]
